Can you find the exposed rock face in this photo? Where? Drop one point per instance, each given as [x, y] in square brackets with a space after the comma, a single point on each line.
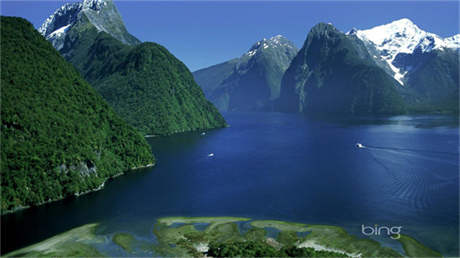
[83, 168]
[102, 14]
[333, 73]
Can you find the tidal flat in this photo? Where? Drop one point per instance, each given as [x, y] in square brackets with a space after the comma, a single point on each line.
[197, 236]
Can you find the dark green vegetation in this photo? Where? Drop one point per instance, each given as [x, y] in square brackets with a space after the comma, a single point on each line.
[251, 82]
[224, 237]
[334, 74]
[413, 248]
[183, 238]
[148, 87]
[58, 136]
[262, 249]
[144, 83]
[221, 237]
[433, 81]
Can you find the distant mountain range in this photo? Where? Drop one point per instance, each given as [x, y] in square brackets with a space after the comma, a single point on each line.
[389, 69]
[251, 82]
[143, 82]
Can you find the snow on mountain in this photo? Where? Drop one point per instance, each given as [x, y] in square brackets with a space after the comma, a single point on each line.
[57, 37]
[403, 36]
[102, 14]
[453, 42]
[68, 14]
[62, 17]
[56, 25]
[96, 5]
[274, 42]
[60, 31]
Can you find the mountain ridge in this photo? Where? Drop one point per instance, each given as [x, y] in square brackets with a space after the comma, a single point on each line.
[143, 82]
[333, 73]
[252, 81]
[425, 64]
[100, 13]
[403, 37]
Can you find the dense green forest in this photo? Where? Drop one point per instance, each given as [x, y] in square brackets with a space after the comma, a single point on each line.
[58, 136]
[145, 84]
[262, 249]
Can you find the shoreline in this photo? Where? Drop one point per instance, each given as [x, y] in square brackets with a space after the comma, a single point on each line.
[320, 238]
[76, 195]
[318, 247]
[144, 166]
[196, 130]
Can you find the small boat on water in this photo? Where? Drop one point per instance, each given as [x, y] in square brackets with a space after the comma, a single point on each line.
[211, 155]
[359, 145]
[203, 133]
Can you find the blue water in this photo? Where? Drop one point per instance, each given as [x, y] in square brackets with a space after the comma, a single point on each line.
[281, 166]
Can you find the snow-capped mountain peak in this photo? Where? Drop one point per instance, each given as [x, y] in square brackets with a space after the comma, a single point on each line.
[102, 14]
[67, 14]
[56, 25]
[273, 42]
[453, 42]
[96, 5]
[396, 37]
[52, 24]
[403, 36]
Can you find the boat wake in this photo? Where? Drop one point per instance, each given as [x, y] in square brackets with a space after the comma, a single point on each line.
[412, 150]
[411, 154]
[416, 184]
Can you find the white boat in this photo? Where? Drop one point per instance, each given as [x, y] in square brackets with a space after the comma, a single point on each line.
[359, 145]
[210, 154]
[203, 133]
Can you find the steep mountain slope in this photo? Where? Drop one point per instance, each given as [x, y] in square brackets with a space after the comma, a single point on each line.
[423, 62]
[400, 38]
[433, 81]
[103, 15]
[148, 87]
[144, 83]
[58, 136]
[333, 73]
[212, 77]
[252, 81]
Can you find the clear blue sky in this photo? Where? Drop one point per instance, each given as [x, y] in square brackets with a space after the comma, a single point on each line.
[206, 33]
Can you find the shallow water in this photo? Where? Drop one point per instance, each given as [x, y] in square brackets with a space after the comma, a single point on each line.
[281, 166]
